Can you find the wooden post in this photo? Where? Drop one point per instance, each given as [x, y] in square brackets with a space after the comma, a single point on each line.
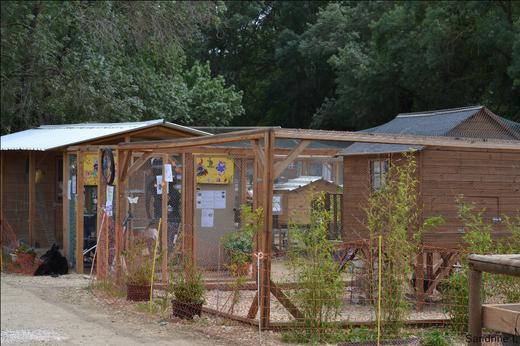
[164, 221]
[243, 182]
[475, 308]
[80, 201]
[188, 206]
[266, 245]
[419, 280]
[120, 208]
[65, 204]
[32, 195]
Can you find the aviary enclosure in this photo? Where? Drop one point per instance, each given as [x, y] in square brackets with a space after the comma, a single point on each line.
[189, 195]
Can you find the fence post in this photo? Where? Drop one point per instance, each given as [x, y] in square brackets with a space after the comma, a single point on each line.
[475, 308]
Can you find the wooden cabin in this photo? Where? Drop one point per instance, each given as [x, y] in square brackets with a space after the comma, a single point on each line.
[292, 200]
[38, 180]
[488, 178]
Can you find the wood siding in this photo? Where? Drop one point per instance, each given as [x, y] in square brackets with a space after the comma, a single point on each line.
[490, 179]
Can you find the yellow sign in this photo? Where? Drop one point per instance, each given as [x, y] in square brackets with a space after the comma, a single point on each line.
[91, 169]
[214, 170]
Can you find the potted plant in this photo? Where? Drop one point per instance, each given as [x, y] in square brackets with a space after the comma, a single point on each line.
[24, 260]
[238, 246]
[139, 264]
[188, 290]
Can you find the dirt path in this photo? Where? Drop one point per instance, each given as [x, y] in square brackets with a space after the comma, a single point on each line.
[45, 310]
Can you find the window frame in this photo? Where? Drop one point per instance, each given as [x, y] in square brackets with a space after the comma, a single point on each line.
[384, 165]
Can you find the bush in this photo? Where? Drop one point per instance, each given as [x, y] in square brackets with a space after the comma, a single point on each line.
[478, 240]
[434, 338]
[317, 275]
[139, 263]
[394, 213]
[187, 285]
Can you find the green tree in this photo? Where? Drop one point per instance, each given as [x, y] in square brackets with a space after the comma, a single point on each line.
[108, 61]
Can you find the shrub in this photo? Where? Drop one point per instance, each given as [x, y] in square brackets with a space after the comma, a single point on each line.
[393, 213]
[316, 274]
[434, 338]
[139, 263]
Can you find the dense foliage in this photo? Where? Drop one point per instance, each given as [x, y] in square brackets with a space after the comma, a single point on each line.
[108, 61]
[342, 65]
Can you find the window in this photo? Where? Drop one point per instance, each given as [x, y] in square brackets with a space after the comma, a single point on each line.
[378, 170]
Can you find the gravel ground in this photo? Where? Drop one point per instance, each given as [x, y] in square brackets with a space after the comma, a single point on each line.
[54, 311]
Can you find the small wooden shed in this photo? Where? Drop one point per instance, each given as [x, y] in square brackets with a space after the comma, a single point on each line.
[43, 200]
[292, 200]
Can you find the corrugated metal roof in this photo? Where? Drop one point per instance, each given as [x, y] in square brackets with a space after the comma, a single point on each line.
[296, 183]
[47, 137]
[432, 123]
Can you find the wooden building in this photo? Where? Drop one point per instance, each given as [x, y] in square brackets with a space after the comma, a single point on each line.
[294, 198]
[488, 178]
[39, 189]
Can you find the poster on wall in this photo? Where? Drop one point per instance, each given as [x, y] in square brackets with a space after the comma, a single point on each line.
[211, 199]
[207, 217]
[214, 170]
[90, 169]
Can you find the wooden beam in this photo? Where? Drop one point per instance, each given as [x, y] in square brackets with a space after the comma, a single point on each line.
[266, 245]
[253, 309]
[120, 212]
[344, 136]
[441, 273]
[188, 206]
[280, 166]
[259, 152]
[285, 301]
[196, 141]
[419, 280]
[243, 181]
[80, 201]
[497, 264]
[127, 158]
[138, 164]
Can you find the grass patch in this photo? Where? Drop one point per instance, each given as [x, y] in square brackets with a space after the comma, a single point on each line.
[108, 288]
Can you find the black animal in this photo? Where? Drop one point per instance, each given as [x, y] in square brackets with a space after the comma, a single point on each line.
[54, 263]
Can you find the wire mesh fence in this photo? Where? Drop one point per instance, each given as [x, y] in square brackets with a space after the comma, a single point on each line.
[312, 240]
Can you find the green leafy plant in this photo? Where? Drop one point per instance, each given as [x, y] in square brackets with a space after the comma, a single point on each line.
[394, 213]
[186, 285]
[478, 239]
[239, 245]
[435, 338]
[139, 263]
[320, 288]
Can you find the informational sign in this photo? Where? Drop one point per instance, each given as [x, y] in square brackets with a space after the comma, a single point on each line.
[211, 199]
[158, 184]
[214, 170]
[73, 183]
[110, 194]
[69, 189]
[207, 217]
[168, 174]
[277, 204]
[90, 169]
[219, 199]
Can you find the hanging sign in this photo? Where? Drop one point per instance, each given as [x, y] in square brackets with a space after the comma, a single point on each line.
[214, 170]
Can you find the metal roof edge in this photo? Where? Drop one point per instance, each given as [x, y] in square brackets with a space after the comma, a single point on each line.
[438, 112]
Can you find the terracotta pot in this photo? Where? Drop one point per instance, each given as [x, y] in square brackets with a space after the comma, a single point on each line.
[137, 292]
[185, 310]
[25, 263]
